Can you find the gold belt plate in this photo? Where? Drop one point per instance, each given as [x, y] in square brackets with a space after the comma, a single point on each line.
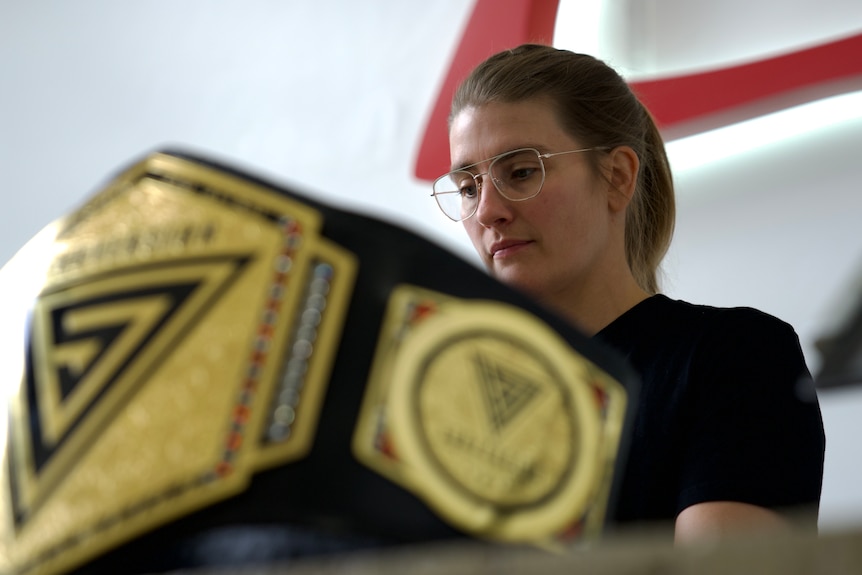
[487, 414]
[181, 342]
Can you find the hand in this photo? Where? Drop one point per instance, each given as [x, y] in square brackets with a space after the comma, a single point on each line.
[717, 519]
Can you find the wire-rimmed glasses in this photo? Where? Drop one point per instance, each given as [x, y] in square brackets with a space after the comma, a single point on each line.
[518, 175]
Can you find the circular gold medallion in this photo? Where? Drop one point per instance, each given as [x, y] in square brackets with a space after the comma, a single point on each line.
[491, 410]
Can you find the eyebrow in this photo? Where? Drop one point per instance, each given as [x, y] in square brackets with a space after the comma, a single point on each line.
[542, 150]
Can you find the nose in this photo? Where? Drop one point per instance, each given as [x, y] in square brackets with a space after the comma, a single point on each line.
[493, 208]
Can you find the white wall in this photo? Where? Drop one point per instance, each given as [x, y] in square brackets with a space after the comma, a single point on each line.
[330, 94]
[333, 95]
[662, 36]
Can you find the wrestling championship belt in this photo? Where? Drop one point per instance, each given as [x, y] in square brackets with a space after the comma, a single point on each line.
[214, 365]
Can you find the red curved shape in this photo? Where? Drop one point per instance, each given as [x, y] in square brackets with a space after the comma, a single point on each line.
[493, 26]
[684, 99]
[681, 105]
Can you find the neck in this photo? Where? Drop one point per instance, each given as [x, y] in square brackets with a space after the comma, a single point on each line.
[594, 307]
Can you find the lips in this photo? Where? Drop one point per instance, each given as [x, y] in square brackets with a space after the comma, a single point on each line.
[505, 248]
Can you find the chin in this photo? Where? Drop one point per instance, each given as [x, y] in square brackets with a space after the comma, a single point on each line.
[520, 282]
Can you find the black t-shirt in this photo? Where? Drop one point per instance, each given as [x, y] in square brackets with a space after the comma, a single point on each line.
[727, 411]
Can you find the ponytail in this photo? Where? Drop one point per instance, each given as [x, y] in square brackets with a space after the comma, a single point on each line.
[652, 212]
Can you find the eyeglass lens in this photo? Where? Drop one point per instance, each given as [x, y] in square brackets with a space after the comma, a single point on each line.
[517, 175]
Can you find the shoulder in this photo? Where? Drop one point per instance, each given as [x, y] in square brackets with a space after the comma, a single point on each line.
[676, 345]
[708, 316]
[663, 321]
[740, 338]
[742, 330]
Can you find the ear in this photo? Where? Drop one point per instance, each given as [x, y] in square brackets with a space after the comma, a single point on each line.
[621, 166]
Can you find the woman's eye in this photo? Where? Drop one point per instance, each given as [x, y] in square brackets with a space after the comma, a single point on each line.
[468, 190]
[521, 174]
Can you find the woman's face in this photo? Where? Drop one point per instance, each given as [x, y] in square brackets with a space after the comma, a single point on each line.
[553, 246]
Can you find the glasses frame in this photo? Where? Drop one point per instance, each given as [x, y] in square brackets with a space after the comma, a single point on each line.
[491, 161]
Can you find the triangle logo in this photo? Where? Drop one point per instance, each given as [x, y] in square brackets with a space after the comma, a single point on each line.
[94, 343]
[505, 391]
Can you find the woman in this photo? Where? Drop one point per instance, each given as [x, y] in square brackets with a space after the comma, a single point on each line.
[562, 183]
